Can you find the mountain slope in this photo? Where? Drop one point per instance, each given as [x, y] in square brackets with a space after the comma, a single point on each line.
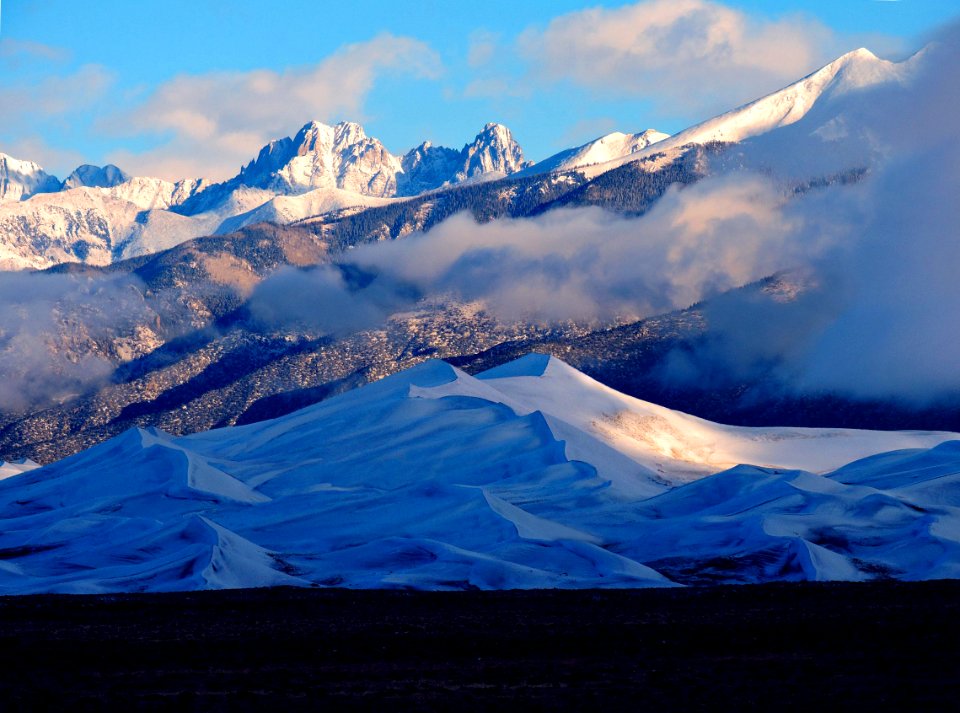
[846, 77]
[493, 154]
[95, 225]
[284, 210]
[602, 150]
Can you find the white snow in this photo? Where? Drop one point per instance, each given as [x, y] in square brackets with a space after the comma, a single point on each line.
[95, 225]
[11, 468]
[675, 446]
[340, 156]
[322, 169]
[21, 179]
[849, 74]
[523, 477]
[289, 209]
[607, 148]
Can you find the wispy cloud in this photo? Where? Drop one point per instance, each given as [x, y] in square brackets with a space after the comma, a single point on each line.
[13, 50]
[581, 263]
[687, 55]
[34, 147]
[58, 95]
[215, 122]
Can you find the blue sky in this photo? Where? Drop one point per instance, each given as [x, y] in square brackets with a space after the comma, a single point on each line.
[179, 88]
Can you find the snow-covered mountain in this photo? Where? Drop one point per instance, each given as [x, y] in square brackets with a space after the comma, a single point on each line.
[846, 77]
[607, 148]
[853, 72]
[95, 177]
[98, 225]
[530, 475]
[99, 215]
[283, 209]
[21, 179]
[493, 153]
[343, 157]
[427, 166]
[332, 168]
[322, 156]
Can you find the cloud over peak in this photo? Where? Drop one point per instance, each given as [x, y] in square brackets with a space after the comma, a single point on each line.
[695, 54]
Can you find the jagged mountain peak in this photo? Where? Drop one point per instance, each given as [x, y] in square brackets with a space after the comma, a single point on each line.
[861, 52]
[315, 135]
[427, 167]
[349, 132]
[496, 128]
[323, 156]
[343, 156]
[856, 70]
[495, 132]
[22, 165]
[21, 179]
[493, 153]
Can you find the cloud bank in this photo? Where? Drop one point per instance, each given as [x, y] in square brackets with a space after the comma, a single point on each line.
[883, 319]
[588, 264]
[53, 329]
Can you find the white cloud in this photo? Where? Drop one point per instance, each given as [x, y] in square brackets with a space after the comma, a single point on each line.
[217, 121]
[482, 48]
[12, 51]
[690, 55]
[587, 263]
[57, 95]
[53, 159]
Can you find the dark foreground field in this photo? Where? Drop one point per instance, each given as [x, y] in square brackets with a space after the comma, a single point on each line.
[794, 647]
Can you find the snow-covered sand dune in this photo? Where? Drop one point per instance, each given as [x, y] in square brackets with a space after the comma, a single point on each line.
[11, 468]
[531, 475]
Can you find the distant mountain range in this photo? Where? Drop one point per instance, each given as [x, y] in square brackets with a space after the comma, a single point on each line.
[100, 215]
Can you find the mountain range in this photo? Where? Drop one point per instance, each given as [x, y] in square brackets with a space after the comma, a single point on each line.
[99, 215]
[186, 353]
